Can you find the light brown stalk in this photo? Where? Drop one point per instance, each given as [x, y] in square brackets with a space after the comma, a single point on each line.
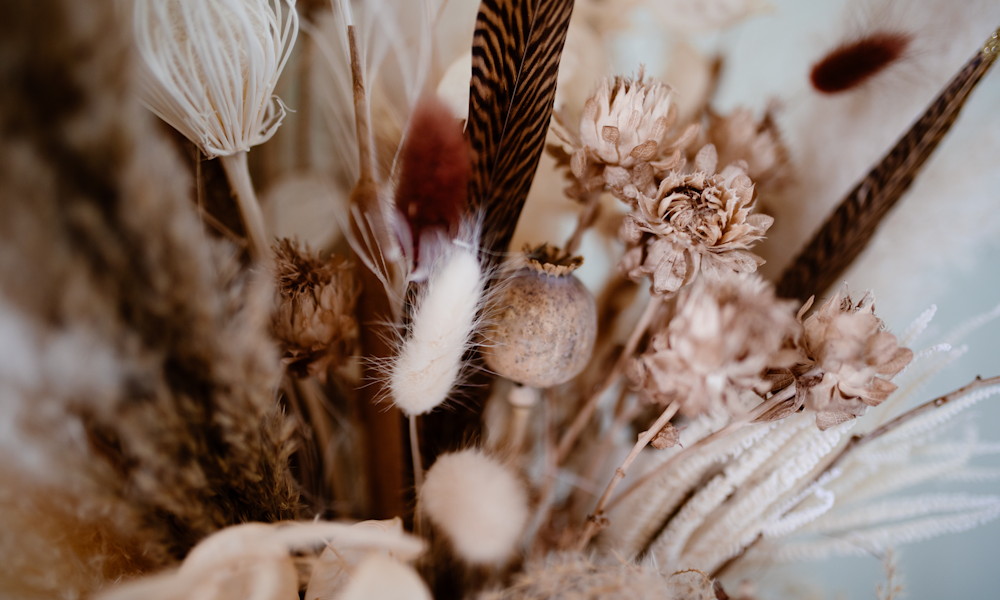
[238, 173]
[596, 518]
[384, 448]
[590, 405]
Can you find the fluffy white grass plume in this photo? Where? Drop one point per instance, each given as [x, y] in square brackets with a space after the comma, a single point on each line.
[210, 67]
[380, 577]
[430, 358]
[478, 503]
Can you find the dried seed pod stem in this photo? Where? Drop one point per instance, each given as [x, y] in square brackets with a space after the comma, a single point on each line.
[595, 518]
[238, 174]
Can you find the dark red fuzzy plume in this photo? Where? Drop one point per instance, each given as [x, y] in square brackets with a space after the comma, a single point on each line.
[852, 63]
[434, 172]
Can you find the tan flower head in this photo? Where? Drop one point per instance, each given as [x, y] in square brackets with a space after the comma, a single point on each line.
[739, 136]
[693, 223]
[314, 318]
[851, 358]
[714, 353]
[625, 124]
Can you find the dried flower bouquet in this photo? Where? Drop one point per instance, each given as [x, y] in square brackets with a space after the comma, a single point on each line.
[206, 393]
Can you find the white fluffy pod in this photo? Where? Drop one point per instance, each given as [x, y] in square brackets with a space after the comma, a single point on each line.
[478, 503]
[210, 67]
[430, 359]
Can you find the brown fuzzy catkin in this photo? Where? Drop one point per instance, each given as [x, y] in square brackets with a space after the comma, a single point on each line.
[99, 241]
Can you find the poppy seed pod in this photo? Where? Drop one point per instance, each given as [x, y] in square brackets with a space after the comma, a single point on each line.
[544, 322]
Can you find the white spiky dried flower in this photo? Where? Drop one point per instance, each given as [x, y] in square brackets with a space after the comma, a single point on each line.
[209, 68]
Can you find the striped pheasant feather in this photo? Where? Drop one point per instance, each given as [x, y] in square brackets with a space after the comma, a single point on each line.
[515, 60]
[851, 226]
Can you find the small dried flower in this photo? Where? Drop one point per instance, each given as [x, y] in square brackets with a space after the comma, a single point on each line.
[855, 358]
[739, 136]
[693, 223]
[716, 349]
[314, 319]
[624, 125]
[545, 322]
[210, 67]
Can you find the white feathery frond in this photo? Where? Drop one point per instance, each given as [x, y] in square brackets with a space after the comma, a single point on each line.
[636, 520]
[728, 531]
[796, 519]
[209, 68]
[935, 418]
[962, 331]
[899, 509]
[876, 540]
[917, 327]
[926, 364]
[671, 542]
[430, 360]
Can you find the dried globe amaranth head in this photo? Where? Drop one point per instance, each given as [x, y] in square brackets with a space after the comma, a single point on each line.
[544, 321]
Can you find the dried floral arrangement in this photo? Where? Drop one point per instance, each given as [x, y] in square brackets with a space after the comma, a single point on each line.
[358, 386]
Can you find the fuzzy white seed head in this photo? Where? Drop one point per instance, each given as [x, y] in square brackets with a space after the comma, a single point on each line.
[209, 68]
[380, 577]
[430, 359]
[479, 504]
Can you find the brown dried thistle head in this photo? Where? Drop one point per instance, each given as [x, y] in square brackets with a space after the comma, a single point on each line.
[314, 318]
[694, 223]
[726, 333]
[850, 359]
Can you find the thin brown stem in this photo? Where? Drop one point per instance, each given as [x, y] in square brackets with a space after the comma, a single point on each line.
[596, 518]
[238, 173]
[586, 219]
[582, 418]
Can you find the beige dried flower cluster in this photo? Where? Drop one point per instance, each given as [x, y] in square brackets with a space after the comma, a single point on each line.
[849, 359]
[314, 318]
[713, 354]
[685, 218]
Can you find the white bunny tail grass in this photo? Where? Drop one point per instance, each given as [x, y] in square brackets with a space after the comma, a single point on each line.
[380, 577]
[478, 503]
[430, 358]
[210, 67]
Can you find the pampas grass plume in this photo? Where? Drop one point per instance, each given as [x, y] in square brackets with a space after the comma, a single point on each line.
[479, 504]
[430, 359]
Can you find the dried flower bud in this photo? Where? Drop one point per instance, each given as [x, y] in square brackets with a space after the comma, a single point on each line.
[545, 322]
[478, 503]
[695, 223]
[716, 349]
[856, 358]
[314, 318]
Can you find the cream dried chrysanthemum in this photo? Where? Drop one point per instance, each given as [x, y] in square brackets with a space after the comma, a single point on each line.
[693, 223]
[850, 359]
[209, 67]
[714, 353]
[314, 318]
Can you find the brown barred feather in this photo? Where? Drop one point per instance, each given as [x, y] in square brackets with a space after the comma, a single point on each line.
[515, 60]
[852, 225]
